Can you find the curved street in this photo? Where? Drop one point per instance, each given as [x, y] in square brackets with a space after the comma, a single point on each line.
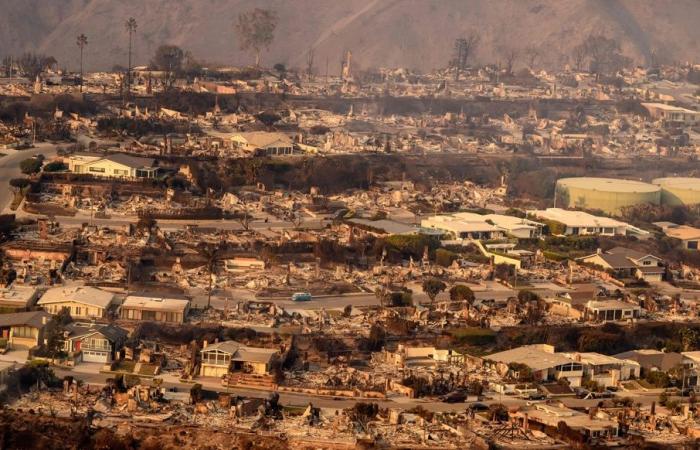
[9, 168]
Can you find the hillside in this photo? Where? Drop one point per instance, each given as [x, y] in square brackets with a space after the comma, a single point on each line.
[412, 33]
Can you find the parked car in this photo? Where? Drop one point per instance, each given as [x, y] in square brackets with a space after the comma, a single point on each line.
[301, 297]
[454, 397]
[604, 394]
[479, 406]
[536, 396]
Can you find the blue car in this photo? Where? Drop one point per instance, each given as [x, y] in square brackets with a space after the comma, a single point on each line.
[301, 297]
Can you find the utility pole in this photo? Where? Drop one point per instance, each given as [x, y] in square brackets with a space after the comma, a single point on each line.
[131, 26]
[82, 42]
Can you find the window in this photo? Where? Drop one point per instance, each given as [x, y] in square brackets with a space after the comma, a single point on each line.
[23, 332]
[97, 169]
[693, 245]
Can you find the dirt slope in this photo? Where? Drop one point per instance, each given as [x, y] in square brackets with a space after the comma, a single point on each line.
[413, 33]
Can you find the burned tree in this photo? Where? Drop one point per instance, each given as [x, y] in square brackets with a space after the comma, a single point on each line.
[256, 30]
[464, 48]
[510, 55]
[605, 56]
[532, 54]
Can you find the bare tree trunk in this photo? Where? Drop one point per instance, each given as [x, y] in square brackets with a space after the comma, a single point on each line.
[81, 69]
[211, 270]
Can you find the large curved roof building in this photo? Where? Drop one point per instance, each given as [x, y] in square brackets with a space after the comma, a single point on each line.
[606, 194]
[679, 190]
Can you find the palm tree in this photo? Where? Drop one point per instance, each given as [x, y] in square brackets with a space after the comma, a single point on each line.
[82, 42]
[131, 28]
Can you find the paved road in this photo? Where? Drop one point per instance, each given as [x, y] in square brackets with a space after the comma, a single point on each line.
[9, 168]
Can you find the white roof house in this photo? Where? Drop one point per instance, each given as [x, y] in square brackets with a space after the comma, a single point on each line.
[81, 301]
[17, 296]
[465, 225]
[462, 228]
[514, 226]
[611, 310]
[271, 143]
[158, 309]
[672, 113]
[582, 223]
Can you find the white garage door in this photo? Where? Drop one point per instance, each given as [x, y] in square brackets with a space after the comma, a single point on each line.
[98, 357]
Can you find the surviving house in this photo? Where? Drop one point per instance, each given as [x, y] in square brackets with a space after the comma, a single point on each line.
[689, 236]
[17, 298]
[94, 343]
[606, 370]
[270, 144]
[83, 302]
[628, 263]
[541, 359]
[116, 165]
[171, 310]
[611, 310]
[459, 228]
[672, 114]
[651, 359]
[579, 223]
[230, 356]
[23, 330]
[545, 417]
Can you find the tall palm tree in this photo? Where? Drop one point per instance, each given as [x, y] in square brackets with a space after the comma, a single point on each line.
[131, 28]
[82, 42]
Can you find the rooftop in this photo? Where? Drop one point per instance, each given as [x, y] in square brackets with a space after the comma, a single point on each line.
[607, 184]
[86, 295]
[683, 232]
[32, 318]
[155, 303]
[536, 357]
[577, 218]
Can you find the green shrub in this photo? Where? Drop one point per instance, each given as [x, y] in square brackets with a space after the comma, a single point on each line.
[474, 336]
[444, 257]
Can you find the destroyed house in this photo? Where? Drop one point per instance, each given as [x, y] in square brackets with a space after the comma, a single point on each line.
[23, 330]
[83, 302]
[117, 165]
[94, 343]
[221, 358]
[170, 310]
[425, 356]
[23, 250]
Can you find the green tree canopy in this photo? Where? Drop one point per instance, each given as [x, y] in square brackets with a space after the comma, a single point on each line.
[30, 166]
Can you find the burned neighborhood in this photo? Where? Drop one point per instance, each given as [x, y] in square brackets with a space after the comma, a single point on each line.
[329, 245]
